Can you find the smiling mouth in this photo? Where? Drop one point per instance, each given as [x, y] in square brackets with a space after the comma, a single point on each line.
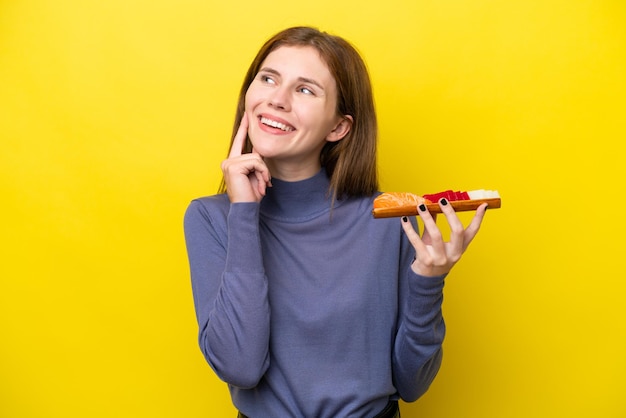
[277, 125]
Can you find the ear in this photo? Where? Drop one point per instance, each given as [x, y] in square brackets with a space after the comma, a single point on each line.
[341, 129]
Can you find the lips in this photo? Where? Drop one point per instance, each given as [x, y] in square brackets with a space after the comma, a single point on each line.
[276, 123]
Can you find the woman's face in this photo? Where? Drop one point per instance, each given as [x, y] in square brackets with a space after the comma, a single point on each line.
[291, 107]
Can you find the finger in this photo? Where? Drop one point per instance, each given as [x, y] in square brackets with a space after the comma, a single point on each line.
[425, 235]
[474, 226]
[242, 169]
[267, 176]
[413, 236]
[240, 138]
[241, 175]
[431, 231]
[261, 184]
[243, 164]
[456, 228]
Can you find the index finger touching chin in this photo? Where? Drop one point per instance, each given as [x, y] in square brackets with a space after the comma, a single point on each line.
[239, 141]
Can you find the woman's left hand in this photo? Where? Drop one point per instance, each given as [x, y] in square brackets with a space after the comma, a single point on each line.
[434, 257]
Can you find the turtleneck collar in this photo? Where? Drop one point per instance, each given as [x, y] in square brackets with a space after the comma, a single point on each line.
[297, 200]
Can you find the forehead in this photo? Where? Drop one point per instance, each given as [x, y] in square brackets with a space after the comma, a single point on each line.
[299, 61]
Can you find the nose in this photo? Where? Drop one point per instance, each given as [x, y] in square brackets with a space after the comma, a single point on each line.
[279, 99]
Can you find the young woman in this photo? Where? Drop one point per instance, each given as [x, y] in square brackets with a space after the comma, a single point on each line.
[308, 306]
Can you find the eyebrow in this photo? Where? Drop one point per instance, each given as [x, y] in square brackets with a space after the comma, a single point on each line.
[301, 79]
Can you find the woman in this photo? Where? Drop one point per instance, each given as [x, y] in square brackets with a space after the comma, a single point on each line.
[308, 306]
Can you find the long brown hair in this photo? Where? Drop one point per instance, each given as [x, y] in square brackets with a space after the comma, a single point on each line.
[351, 162]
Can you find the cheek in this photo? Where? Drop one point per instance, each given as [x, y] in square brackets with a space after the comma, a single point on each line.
[247, 100]
[253, 97]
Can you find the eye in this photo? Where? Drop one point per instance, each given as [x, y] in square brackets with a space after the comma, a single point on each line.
[267, 79]
[306, 90]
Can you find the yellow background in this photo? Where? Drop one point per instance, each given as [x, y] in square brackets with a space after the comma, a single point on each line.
[114, 114]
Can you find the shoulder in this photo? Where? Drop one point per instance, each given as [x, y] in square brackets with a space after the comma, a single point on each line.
[218, 202]
[207, 210]
[361, 204]
[362, 208]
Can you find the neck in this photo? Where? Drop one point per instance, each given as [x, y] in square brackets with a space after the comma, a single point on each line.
[297, 200]
[293, 171]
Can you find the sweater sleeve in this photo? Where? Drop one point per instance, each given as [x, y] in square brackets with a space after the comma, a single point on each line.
[418, 346]
[230, 290]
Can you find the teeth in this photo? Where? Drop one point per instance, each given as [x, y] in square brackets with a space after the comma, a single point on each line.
[275, 124]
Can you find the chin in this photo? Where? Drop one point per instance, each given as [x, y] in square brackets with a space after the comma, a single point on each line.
[263, 151]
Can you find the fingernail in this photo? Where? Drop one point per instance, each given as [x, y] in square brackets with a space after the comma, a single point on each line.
[405, 219]
[444, 201]
[422, 207]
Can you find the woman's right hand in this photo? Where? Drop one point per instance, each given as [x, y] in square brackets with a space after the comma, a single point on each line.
[246, 175]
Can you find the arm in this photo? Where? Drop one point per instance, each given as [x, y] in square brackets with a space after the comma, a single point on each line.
[421, 329]
[229, 290]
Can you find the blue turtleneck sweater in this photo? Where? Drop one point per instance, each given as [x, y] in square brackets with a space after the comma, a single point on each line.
[311, 312]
